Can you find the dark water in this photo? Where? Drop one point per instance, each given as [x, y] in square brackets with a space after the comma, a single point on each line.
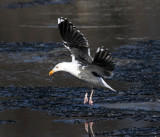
[29, 107]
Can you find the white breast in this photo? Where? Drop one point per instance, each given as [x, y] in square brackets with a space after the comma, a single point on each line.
[73, 68]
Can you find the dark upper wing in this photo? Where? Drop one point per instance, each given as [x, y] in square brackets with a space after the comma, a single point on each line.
[102, 63]
[75, 41]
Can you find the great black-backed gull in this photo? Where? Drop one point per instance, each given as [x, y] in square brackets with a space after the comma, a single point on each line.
[83, 66]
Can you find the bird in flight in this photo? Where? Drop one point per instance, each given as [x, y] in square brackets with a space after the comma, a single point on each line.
[83, 66]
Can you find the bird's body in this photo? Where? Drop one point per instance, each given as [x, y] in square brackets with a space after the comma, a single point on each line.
[83, 66]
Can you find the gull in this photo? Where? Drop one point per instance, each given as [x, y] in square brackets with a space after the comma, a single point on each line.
[83, 66]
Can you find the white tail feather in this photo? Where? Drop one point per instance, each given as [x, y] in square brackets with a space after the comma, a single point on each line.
[106, 85]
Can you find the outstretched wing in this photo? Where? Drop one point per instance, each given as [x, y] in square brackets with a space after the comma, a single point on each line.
[74, 40]
[102, 63]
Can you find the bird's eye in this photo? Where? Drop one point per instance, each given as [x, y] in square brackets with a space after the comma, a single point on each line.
[56, 66]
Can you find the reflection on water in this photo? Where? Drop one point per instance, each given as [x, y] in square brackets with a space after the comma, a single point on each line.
[33, 123]
[89, 128]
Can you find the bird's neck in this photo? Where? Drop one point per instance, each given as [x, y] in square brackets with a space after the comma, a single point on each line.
[71, 67]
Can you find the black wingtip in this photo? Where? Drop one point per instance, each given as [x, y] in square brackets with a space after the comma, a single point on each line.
[70, 34]
[103, 59]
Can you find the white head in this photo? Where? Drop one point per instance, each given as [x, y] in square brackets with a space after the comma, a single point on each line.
[58, 67]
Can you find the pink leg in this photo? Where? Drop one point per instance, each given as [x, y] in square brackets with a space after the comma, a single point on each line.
[86, 98]
[86, 127]
[91, 128]
[90, 98]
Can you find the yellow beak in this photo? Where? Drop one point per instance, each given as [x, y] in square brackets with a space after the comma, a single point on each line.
[51, 72]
